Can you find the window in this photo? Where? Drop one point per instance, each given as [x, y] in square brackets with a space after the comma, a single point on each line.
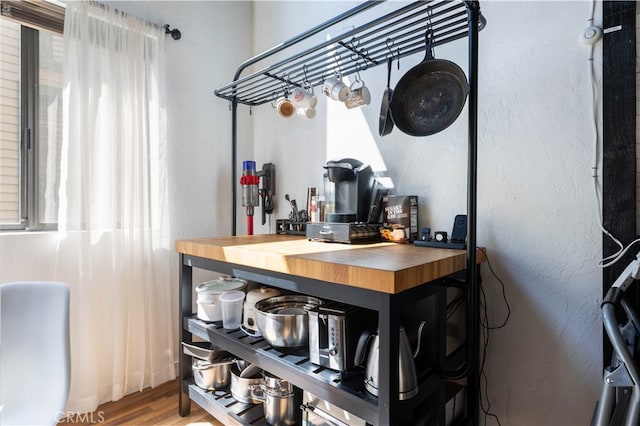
[30, 125]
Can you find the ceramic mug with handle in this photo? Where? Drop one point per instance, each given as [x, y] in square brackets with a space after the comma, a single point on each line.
[334, 88]
[359, 95]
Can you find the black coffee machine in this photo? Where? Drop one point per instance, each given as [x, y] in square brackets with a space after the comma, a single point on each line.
[353, 184]
[348, 187]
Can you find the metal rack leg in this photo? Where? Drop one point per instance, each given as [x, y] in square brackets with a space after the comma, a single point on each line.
[186, 300]
[388, 326]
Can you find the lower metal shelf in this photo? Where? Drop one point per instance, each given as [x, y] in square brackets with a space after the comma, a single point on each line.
[223, 406]
[347, 392]
[295, 367]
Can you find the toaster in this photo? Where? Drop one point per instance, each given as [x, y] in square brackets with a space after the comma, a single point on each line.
[334, 330]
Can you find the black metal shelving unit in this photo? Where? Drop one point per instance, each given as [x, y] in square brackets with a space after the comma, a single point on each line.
[301, 62]
[296, 367]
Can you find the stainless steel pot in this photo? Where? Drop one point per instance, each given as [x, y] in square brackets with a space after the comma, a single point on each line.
[276, 383]
[281, 407]
[283, 321]
[212, 375]
[241, 386]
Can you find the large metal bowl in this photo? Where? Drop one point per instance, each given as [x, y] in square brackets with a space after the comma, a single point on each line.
[283, 320]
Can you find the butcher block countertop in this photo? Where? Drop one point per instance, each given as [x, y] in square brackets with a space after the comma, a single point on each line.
[385, 267]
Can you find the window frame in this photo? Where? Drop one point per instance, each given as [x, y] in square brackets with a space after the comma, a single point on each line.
[29, 203]
[29, 52]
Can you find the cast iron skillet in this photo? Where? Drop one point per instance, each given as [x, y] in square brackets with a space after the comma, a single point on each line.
[385, 125]
[430, 96]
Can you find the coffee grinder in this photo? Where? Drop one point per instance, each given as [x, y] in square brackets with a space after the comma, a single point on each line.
[348, 203]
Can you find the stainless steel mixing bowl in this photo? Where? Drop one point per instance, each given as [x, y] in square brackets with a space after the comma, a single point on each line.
[283, 321]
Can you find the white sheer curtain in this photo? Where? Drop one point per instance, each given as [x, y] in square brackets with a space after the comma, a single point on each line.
[114, 248]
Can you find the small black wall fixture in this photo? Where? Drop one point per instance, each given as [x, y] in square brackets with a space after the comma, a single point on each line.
[175, 33]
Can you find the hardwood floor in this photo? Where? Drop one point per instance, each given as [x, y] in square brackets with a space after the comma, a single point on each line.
[158, 406]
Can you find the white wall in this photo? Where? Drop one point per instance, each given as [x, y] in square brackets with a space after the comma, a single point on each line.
[536, 209]
[536, 215]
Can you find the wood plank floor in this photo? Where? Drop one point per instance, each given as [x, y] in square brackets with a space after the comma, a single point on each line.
[157, 406]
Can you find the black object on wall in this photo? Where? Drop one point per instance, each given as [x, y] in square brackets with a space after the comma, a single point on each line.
[619, 140]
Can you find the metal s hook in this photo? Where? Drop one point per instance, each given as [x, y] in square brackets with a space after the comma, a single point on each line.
[285, 87]
[431, 34]
[354, 43]
[305, 81]
[390, 45]
[358, 68]
[337, 58]
[365, 63]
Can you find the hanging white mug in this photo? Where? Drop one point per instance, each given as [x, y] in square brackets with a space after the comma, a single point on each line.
[307, 112]
[285, 107]
[303, 98]
[334, 88]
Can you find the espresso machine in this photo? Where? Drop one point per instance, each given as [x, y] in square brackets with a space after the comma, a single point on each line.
[348, 187]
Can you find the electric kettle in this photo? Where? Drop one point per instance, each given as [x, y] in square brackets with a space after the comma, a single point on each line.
[407, 377]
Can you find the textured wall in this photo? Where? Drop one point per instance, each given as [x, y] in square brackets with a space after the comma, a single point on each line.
[536, 209]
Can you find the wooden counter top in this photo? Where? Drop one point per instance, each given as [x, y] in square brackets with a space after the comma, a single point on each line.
[384, 267]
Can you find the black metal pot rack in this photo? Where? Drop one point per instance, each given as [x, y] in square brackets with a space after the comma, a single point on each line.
[291, 64]
[398, 34]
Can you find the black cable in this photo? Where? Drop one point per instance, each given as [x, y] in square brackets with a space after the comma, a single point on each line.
[485, 404]
[504, 295]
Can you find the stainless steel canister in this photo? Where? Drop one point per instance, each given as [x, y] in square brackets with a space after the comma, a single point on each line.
[281, 403]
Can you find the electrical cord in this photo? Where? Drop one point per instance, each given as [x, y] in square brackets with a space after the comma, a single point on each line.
[504, 296]
[622, 250]
[485, 403]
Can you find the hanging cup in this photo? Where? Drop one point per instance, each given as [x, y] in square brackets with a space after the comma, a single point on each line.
[285, 107]
[303, 98]
[359, 95]
[334, 88]
[306, 112]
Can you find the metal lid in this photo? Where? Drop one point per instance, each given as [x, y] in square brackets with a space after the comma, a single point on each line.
[221, 285]
[278, 393]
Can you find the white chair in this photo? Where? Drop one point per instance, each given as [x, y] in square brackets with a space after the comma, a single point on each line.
[34, 352]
